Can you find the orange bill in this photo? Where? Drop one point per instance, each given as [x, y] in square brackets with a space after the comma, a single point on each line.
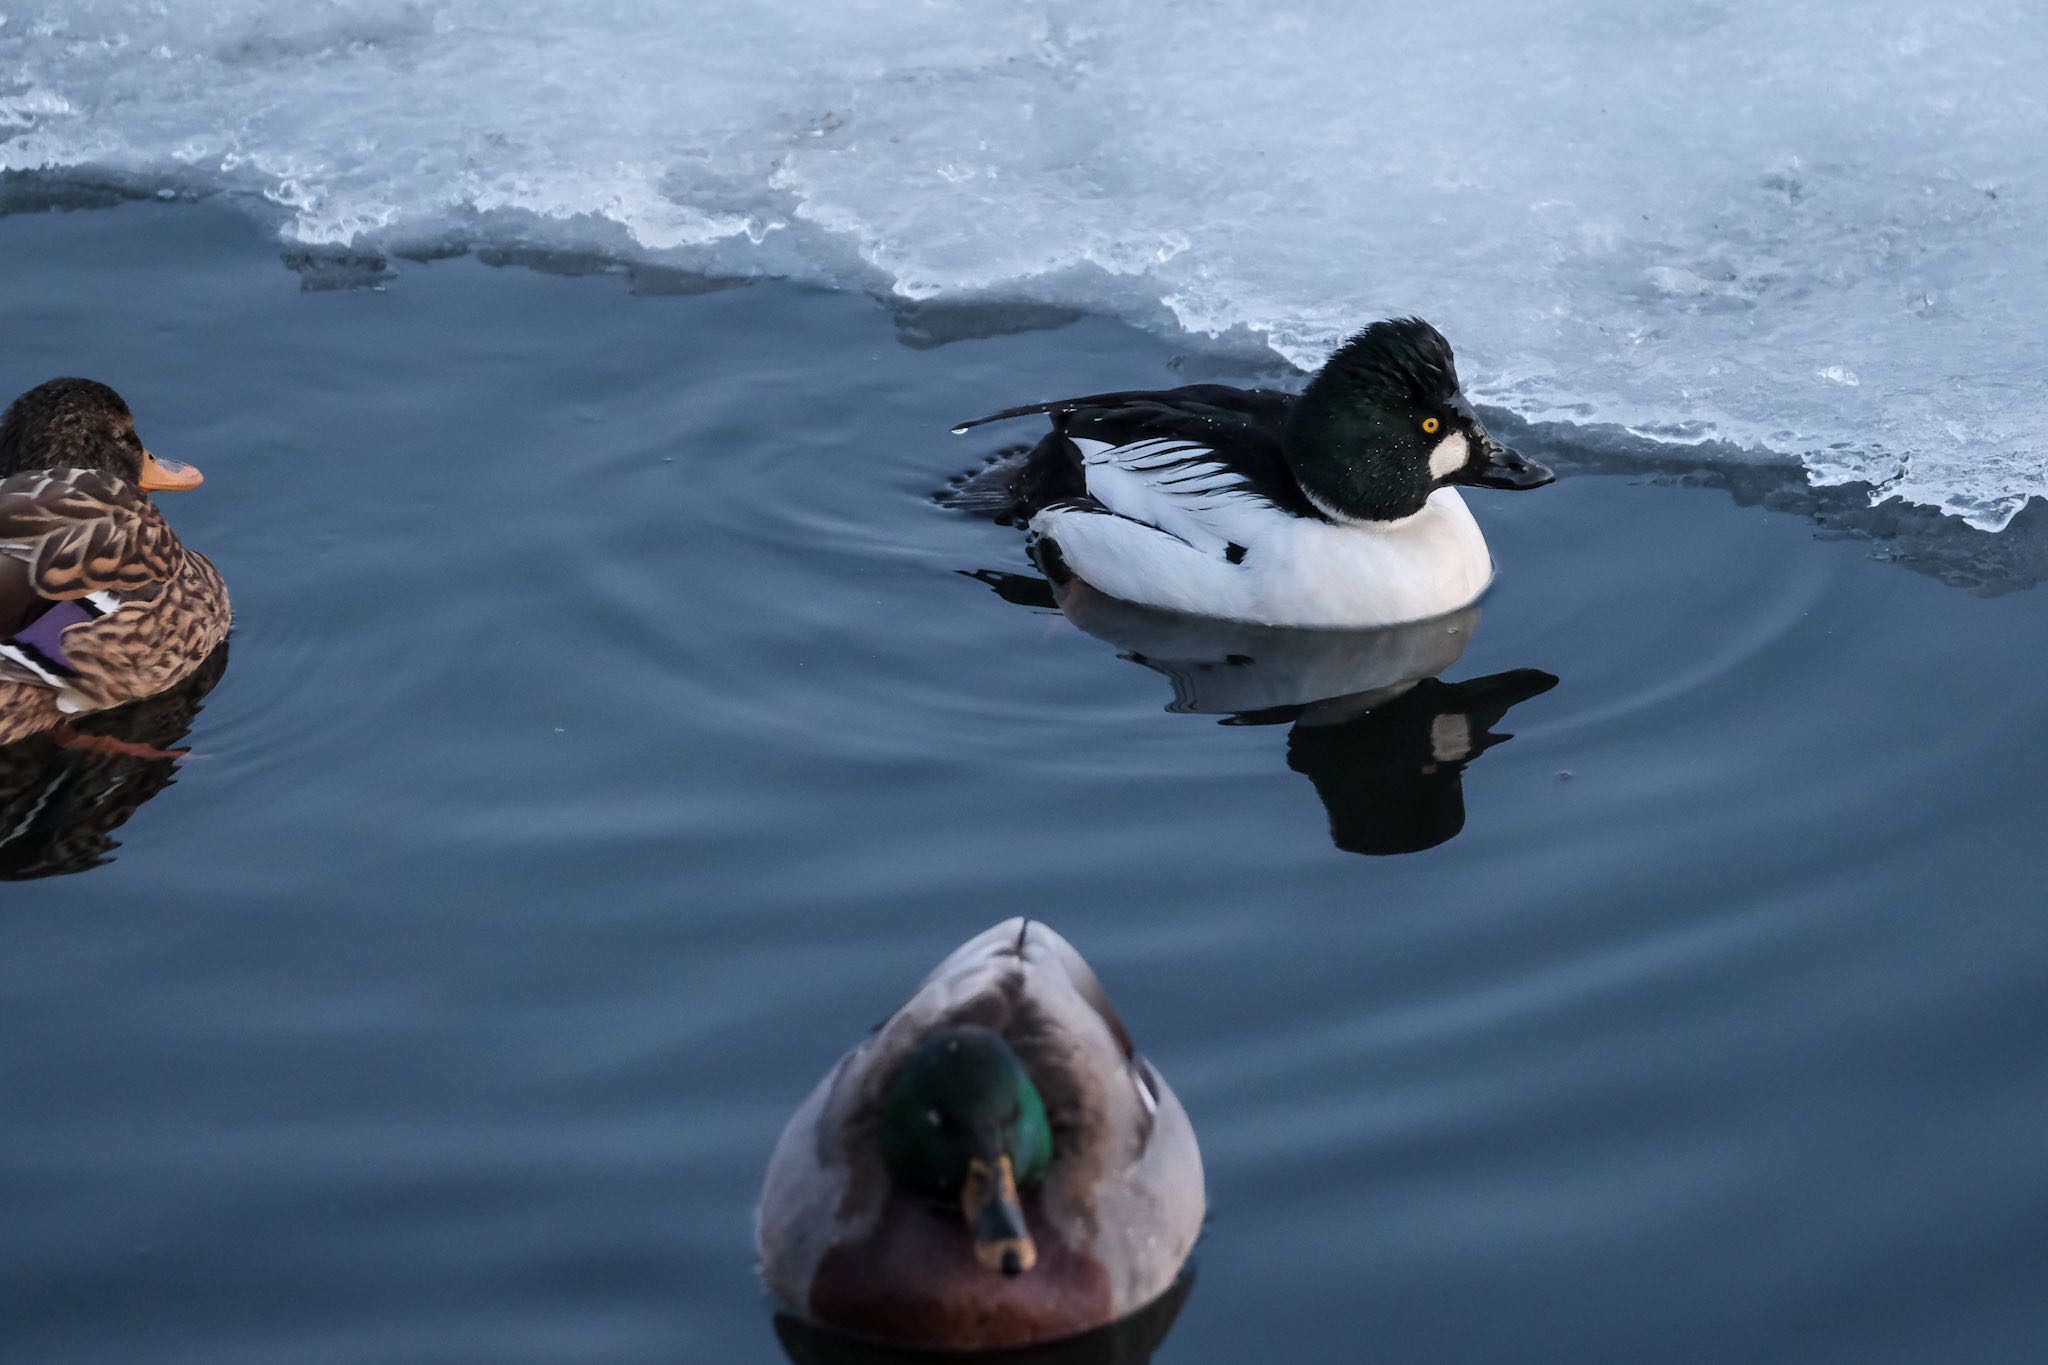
[164, 475]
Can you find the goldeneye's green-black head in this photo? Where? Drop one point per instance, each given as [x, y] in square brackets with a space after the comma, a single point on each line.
[1384, 425]
[81, 424]
[962, 1122]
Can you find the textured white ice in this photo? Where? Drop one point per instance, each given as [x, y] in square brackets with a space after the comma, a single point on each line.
[1815, 230]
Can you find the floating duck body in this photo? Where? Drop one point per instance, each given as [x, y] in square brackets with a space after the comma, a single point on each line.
[1337, 507]
[996, 1165]
[100, 603]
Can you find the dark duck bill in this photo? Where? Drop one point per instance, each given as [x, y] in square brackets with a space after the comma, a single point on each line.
[1493, 465]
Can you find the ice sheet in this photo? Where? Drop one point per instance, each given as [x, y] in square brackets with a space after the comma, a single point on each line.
[1820, 231]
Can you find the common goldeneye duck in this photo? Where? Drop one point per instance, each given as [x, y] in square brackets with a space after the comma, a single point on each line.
[1337, 507]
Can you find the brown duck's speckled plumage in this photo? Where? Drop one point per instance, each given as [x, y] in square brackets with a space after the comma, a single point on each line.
[67, 533]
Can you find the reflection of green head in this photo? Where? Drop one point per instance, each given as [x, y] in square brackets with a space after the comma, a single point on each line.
[963, 1121]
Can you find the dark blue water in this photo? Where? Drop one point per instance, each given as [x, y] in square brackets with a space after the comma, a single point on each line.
[610, 736]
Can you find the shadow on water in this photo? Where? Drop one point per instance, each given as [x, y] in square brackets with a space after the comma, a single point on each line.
[60, 802]
[1131, 1341]
[1384, 739]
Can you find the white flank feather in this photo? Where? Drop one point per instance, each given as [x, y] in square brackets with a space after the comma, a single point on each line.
[1178, 513]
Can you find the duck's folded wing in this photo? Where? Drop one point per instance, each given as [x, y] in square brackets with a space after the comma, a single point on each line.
[75, 546]
[1198, 442]
[1185, 489]
[81, 532]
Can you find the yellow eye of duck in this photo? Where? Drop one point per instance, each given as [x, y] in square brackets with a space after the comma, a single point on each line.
[1429, 425]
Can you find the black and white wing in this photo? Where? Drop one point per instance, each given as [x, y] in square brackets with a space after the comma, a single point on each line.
[1162, 498]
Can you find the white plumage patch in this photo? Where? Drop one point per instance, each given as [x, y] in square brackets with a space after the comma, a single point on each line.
[27, 661]
[1450, 455]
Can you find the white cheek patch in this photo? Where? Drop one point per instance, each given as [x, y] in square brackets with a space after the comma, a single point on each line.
[1450, 456]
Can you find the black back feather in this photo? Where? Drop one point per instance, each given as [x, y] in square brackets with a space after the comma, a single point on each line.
[1239, 427]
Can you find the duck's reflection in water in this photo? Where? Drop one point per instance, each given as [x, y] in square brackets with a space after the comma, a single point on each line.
[1385, 741]
[1130, 1341]
[1390, 769]
[64, 793]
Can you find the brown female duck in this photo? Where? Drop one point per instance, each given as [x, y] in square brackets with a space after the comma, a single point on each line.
[100, 603]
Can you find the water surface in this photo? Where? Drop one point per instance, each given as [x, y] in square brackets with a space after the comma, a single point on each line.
[611, 735]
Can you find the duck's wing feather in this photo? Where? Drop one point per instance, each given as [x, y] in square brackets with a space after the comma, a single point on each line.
[1179, 460]
[82, 532]
[78, 547]
[1146, 453]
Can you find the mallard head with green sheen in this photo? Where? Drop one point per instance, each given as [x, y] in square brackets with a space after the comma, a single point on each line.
[1384, 425]
[963, 1124]
[82, 424]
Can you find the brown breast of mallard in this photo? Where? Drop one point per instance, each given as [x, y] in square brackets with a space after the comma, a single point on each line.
[916, 1281]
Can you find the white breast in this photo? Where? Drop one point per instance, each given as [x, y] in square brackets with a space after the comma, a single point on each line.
[1373, 573]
